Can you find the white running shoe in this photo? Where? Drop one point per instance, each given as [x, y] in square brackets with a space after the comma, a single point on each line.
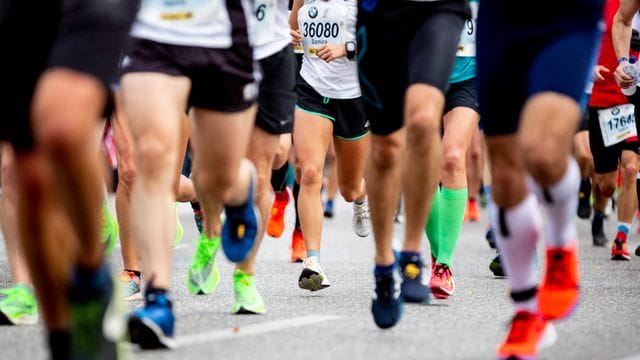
[361, 222]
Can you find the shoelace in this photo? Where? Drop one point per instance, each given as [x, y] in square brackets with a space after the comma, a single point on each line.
[362, 211]
[384, 289]
[441, 270]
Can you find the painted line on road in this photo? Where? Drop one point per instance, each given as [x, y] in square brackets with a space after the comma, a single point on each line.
[631, 357]
[250, 330]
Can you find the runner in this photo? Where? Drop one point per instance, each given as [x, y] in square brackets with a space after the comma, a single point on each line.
[610, 157]
[328, 107]
[404, 98]
[61, 85]
[460, 121]
[530, 109]
[274, 121]
[197, 54]
[622, 139]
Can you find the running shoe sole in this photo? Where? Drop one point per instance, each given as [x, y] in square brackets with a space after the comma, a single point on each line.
[148, 335]
[135, 297]
[389, 320]
[619, 257]
[237, 250]
[549, 338]
[244, 311]
[22, 320]
[440, 293]
[311, 280]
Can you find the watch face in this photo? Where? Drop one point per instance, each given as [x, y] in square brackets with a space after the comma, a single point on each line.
[351, 46]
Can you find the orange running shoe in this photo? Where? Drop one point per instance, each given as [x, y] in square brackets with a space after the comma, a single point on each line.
[275, 226]
[559, 293]
[298, 249]
[529, 333]
[472, 213]
[441, 283]
[619, 248]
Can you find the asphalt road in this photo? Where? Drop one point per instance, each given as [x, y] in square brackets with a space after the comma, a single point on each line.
[336, 323]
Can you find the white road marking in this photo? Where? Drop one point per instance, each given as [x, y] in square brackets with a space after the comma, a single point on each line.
[249, 330]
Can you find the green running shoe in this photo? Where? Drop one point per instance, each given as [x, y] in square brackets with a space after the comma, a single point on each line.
[179, 229]
[18, 306]
[247, 300]
[109, 229]
[203, 274]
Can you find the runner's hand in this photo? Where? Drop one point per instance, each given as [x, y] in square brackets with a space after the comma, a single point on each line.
[296, 37]
[622, 79]
[331, 52]
[598, 70]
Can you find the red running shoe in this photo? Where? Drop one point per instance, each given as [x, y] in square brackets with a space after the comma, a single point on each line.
[298, 249]
[275, 226]
[529, 332]
[441, 283]
[619, 248]
[559, 293]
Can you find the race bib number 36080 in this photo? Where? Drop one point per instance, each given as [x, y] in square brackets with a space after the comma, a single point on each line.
[617, 124]
[321, 24]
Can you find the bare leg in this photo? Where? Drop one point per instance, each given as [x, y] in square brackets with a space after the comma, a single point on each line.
[423, 161]
[17, 262]
[126, 174]
[311, 135]
[383, 183]
[262, 149]
[154, 105]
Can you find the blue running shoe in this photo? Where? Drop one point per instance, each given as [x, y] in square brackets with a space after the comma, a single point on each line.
[328, 209]
[91, 298]
[152, 326]
[387, 304]
[240, 229]
[414, 288]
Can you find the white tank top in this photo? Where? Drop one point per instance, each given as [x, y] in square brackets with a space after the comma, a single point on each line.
[272, 27]
[327, 22]
[203, 23]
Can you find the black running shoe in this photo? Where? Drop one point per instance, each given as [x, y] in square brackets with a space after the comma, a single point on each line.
[491, 239]
[638, 251]
[91, 307]
[387, 304]
[597, 229]
[584, 199]
[496, 266]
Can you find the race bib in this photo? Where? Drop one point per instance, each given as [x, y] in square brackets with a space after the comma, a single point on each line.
[467, 45]
[180, 12]
[265, 12]
[321, 24]
[617, 124]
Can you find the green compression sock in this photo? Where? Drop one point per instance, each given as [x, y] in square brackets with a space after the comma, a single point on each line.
[453, 204]
[432, 229]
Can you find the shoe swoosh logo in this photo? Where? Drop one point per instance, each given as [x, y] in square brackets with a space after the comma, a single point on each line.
[201, 276]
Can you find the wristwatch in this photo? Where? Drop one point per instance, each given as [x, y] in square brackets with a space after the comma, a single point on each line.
[351, 50]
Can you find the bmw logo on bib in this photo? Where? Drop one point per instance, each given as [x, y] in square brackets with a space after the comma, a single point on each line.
[313, 12]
